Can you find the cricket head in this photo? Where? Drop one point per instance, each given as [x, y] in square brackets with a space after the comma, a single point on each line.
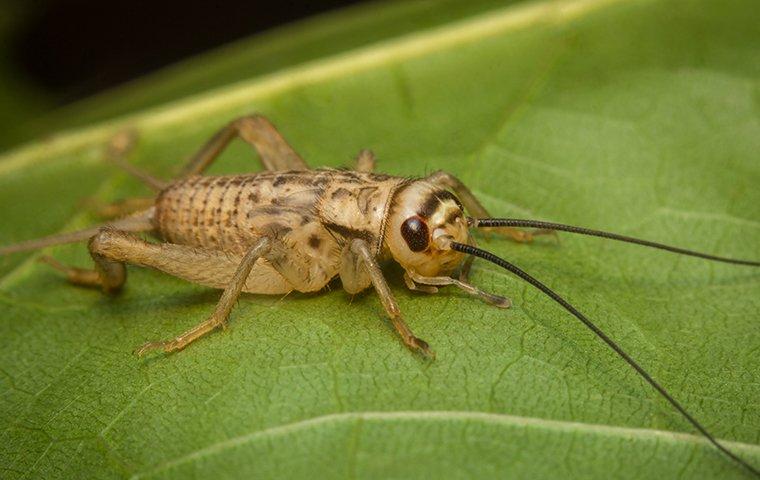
[423, 221]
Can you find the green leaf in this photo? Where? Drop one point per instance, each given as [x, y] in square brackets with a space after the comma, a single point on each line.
[636, 116]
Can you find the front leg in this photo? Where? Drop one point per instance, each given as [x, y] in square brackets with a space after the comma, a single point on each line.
[418, 288]
[357, 255]
[414, 278]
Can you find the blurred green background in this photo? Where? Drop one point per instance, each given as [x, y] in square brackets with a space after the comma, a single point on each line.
[30, 109]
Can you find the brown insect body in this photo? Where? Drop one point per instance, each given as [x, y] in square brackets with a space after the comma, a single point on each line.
[312, 212]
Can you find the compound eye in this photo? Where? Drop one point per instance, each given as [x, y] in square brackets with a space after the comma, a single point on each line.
[415, 233]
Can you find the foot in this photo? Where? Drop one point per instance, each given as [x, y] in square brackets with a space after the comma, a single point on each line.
[76, 276]
[167, 346]
[495, 300]
[421, 346]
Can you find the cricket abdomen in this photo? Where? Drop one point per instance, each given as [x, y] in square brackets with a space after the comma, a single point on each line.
[206, 212]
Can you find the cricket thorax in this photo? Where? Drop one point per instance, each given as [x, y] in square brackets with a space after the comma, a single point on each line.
[356, 205]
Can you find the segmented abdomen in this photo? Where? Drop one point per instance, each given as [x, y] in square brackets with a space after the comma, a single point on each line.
[208, 212]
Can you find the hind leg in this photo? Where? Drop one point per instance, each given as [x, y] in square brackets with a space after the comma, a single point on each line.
[223, 308]
[276, 154]
[256, 130]
[214, 269]
[111, 280]
[108, 274]
[111, 249]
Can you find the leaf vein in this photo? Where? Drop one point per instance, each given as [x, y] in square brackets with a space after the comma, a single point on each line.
[646, 434]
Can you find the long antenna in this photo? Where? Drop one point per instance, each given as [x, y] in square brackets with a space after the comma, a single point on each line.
[468, 249]
[513, 222]
[137, 222]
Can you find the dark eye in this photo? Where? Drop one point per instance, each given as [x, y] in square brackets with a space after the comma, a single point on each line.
[415, 233]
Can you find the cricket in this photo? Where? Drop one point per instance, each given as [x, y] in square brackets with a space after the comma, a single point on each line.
[292, 228]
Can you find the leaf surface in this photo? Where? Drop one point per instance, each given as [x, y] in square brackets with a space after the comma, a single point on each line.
[634, 116]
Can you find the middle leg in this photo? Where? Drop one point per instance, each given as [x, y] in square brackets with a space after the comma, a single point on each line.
[223, 307]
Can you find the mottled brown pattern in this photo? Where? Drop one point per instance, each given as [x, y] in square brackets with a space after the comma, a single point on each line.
[313, 212]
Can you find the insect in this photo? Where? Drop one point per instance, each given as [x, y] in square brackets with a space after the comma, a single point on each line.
[292, 228]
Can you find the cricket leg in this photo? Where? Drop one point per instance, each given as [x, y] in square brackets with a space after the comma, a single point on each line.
[116, 152]
[360, 254]
[90, 277]
[413, 278]
[276, 154]
[476, 209]
[111, 249]
[299, 270]
[418, 288]
[365, 161]
[120, 208]
[108, 274]
[223, 307]
[212, 268]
